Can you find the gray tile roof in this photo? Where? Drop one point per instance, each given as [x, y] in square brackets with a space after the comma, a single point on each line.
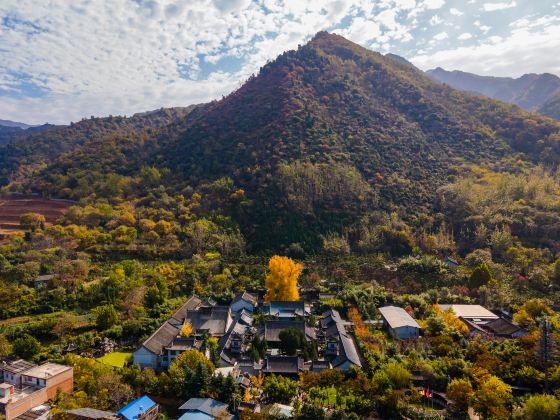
[15, 366]
[397, 317]
[92, 413]
[163, 337]
[189, 305]
[348, 350]
[205, 405]
[216, 320]
[272, 329]
[286, 309]
[284, 364]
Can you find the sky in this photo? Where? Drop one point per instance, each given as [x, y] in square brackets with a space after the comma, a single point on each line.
[62, 60]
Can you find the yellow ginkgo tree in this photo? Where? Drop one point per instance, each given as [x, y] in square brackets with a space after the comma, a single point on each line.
[281, 280]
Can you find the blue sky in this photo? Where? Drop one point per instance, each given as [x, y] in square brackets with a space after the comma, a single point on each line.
[61, 61]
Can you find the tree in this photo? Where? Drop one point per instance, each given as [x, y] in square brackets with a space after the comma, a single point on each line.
[26, 346]
[492, 398]
[398, 375]
[281, 280]
[459, 394]
[186, 329]
[279, 388]
[32, 221]
[480, 276]
[291, 340]
[5, 346]
[106, 317]
[541, 407]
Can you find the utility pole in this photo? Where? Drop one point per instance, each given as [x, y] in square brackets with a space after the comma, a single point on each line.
[546, 348]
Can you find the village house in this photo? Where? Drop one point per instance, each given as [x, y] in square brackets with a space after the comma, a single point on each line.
[204, 409]
[142, 408]
[25, 386]
[399, 323]
[235, 327]
[481, 321]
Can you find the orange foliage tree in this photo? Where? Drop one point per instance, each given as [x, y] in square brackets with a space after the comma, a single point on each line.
[281, 280]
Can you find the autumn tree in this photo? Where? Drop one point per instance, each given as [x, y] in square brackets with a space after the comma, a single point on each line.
[186, 329]
[492, 398]
[281, 280]
[459, 393]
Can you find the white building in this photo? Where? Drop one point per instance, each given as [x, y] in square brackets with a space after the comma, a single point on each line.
[399, 323]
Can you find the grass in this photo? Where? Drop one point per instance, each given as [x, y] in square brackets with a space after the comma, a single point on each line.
[115, 359]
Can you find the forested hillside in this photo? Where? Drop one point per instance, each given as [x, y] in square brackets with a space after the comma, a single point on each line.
[323, 140]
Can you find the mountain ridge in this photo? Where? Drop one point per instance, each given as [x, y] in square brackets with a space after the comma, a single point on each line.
[531, 91]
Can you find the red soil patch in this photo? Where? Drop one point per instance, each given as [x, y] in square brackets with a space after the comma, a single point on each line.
[12, 207]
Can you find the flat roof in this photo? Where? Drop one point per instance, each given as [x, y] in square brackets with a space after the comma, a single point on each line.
[397, 317]
[46, 370]
[469, 311]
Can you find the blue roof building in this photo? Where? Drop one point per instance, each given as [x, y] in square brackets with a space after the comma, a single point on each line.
[142, 408]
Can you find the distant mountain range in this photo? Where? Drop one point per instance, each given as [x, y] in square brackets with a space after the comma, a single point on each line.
[533, 92]
[14, 124]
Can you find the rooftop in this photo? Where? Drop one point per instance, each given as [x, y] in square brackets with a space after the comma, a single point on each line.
[136, 408]
[286, 309]
[47, 370]
[284, 364]
[273, 328]
[205, 405]
[216, 319]
[470, 311]
[397, 317]
[15, 366]
[92, 413]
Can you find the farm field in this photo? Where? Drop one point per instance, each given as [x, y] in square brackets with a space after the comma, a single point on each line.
[12, 207]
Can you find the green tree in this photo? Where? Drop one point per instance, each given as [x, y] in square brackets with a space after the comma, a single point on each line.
[32, 221]
[541, 407]
[279, 388]
[106, 317]
[291, 340]
[398, 375]
[26, 346]
[480, 276]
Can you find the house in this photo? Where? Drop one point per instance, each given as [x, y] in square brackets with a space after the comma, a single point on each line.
[87, 413]
[475, 313]
[25, 386]
[340, 348]
[506, 329]
[286, 309]
[156, 351]
[204, 409]
[245, 301]
[451, 263]
[237, 339]
[283, 365]
[400, 324]
[44, 281]
[212, 320]
[142, 408]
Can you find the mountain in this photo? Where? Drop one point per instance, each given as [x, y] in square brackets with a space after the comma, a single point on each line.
[530, 91]
[14, 124]
[320, 141]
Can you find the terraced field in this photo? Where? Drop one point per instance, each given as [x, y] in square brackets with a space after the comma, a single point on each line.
[12, 207]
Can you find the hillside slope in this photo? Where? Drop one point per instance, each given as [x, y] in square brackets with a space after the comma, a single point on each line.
[319, 141]
[530, 91]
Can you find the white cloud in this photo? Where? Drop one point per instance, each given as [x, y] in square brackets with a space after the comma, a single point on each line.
[523, 51]
[435, 20]
[455, 12]
[464, 36]
[490, 7]
[433, 4]
[441, 36]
